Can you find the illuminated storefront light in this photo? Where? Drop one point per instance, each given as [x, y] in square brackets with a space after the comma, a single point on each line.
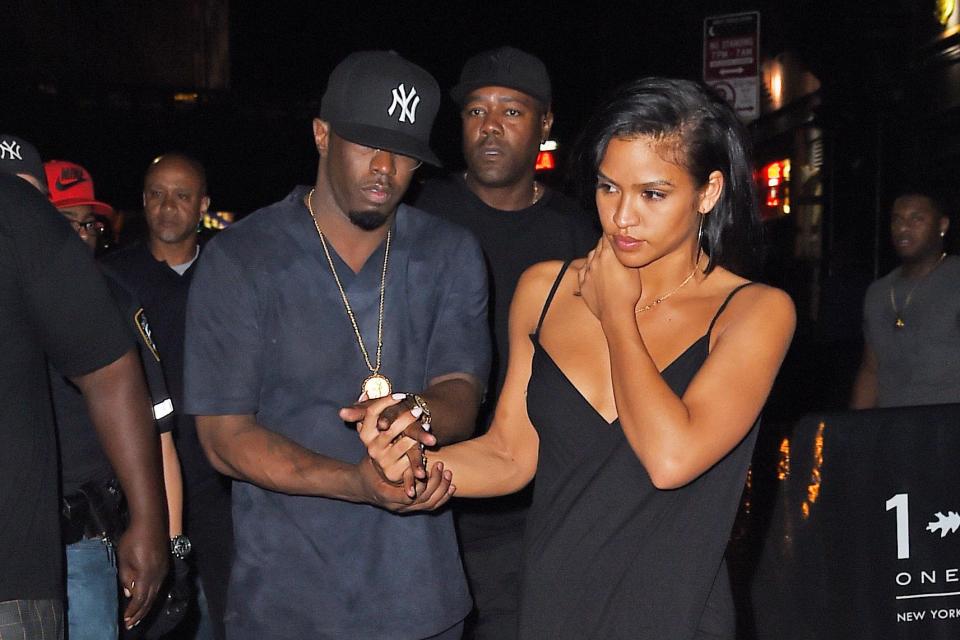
[813, 489]
[218, 220]
[775, 184]
[546, 161]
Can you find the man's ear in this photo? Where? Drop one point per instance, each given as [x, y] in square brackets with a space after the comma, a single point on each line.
[545, 125]
[321, 135]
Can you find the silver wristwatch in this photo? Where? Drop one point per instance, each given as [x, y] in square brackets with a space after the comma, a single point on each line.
[180, 546]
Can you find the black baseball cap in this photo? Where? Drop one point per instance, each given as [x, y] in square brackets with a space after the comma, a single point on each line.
[380, 100]
[19, 156]
[504, 67]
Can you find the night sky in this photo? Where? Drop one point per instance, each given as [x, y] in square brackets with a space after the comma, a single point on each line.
[91, 81]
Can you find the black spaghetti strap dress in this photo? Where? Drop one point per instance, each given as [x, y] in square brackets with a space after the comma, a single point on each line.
[607, 554]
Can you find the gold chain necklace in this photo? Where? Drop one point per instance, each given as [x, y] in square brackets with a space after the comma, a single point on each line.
[899, 323]
[537, 193]
[647, 307]
[375, 385]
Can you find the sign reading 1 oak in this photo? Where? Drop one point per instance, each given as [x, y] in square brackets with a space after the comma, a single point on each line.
[926, 592]
[731, 60]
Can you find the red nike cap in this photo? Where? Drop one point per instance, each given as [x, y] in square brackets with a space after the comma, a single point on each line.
[70, 185]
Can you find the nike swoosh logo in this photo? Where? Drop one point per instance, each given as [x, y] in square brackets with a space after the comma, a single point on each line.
[63, 186]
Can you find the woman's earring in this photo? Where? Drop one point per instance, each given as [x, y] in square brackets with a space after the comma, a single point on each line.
[699, 241]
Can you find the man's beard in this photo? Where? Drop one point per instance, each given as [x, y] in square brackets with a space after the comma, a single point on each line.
[368, 220]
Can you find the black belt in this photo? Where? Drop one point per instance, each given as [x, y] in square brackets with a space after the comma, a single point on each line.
[97, 510]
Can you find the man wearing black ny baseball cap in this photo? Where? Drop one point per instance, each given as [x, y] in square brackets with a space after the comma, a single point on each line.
[341, 291]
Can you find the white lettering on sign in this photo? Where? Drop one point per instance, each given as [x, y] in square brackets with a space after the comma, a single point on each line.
[900, 503]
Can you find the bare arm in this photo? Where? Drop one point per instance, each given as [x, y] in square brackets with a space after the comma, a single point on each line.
[679, 438]
[173, 483]
[504, 459]
[865, 390]
[120, 409]
[239, 447]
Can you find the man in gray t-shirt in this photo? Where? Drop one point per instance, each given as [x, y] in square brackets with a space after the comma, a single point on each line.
[911, 316]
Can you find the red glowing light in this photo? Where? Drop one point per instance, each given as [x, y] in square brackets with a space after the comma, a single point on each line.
[545, 161]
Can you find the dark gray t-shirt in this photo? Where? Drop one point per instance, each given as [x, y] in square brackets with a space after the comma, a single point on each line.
[918, 363]
[267, 334]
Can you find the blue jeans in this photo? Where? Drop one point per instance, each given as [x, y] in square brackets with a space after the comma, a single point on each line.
[92, 601]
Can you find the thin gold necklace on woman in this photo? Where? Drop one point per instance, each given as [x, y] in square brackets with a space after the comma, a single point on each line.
[898, 313]
[657, 301]
[376, 385]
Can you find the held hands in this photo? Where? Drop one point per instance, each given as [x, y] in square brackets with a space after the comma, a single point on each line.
[392, 434]
[606, 285]
[427, 496]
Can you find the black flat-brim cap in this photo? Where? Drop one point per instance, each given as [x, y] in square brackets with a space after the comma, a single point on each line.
[17, 156]
[382, 101]
[504, 67]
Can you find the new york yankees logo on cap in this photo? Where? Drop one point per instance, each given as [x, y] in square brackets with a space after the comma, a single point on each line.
[400, 120]
[19, 157]
[407, 102]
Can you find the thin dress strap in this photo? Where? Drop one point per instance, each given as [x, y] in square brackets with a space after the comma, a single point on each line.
[724, 305]
[553, 290]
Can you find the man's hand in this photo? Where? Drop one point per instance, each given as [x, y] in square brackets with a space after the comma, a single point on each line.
[377, 491]
[397, 457]
[141, 566]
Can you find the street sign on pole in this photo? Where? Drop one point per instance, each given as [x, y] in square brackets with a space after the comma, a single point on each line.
[731, 60]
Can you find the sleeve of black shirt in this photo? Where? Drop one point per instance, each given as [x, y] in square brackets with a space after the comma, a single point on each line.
[76, 318]
[139, 327]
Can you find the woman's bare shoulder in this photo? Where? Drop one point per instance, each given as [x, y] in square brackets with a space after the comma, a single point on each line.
[539, 277]
[757, 304]
[532, 291]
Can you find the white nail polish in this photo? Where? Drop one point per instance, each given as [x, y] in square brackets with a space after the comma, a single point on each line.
[399, 396]
[416, 412]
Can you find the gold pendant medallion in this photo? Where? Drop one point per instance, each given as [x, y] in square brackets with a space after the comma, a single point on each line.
[376, 386]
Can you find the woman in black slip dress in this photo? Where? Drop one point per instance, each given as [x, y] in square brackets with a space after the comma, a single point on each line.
[635, 382]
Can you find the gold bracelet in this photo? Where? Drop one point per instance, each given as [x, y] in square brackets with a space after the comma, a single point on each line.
[425, 420]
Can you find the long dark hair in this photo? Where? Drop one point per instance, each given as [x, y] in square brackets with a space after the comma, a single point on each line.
[705, 136]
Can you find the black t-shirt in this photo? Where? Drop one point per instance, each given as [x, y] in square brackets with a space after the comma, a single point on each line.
[53, 300]
[555, 228]
[82, 458]
[163, 294]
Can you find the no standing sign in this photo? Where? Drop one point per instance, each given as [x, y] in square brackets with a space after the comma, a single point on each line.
[731, 60]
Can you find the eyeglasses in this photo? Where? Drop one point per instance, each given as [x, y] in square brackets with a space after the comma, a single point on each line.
[402, 162]
[89, 227]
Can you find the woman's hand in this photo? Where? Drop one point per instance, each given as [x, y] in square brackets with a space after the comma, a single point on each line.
[607, 287]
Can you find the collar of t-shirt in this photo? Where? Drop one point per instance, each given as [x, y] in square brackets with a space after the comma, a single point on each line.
[182, 268]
